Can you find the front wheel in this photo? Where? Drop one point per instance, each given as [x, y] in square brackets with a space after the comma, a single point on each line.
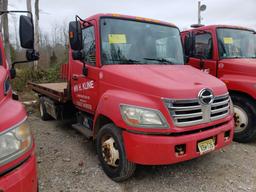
[112, 155]
[245, 118]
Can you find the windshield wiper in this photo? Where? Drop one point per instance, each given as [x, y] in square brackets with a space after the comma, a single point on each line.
[161, 60]
[124, 61]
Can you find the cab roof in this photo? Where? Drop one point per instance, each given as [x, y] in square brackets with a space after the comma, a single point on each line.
[214, 27]
[136, 18]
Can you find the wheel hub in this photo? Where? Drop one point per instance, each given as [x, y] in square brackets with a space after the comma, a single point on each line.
[41, 109]
[110, 153]
[241, 119]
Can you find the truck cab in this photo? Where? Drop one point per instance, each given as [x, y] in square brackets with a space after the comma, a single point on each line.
[228, 53]
[17, 149]
[133, 95]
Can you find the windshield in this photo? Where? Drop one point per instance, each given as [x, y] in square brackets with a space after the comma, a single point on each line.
[236, 43]
[133, 42]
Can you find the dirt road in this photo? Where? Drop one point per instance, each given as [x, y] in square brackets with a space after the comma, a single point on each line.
[68, 162]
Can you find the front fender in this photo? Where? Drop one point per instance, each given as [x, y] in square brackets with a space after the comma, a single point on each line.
[241, 83]
[109, 106]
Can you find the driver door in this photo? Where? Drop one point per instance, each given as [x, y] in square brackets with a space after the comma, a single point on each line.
[85, 87]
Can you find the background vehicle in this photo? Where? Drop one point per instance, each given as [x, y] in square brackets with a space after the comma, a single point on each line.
[229, 53]
[130, 92]
[17, 148]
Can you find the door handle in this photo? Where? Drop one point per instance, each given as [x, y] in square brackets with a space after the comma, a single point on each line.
[75, 77]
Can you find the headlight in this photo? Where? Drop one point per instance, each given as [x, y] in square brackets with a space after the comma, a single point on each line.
[231, 106]
[143, 117]
[14, 142]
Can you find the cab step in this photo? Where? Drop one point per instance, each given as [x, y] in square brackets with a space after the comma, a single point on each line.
[83, 129]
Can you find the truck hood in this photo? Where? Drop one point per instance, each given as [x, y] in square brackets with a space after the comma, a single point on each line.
[168, 81]
[238, 66]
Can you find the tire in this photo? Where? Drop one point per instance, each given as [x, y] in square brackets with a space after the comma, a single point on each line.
[245, 118]
[108, 141]
[43, 113]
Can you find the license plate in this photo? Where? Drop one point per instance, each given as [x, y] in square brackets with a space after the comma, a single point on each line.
[206, 146]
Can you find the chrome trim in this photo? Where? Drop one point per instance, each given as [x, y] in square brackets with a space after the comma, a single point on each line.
[201, 96]
[190, 112]
[188, 115]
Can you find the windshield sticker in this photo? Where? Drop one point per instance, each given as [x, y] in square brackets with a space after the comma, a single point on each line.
[228, 40]
[116, 38]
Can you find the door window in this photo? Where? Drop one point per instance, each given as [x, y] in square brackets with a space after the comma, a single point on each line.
[203, 46]
[89, 45]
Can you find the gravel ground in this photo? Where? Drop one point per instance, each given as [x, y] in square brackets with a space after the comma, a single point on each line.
[68, 162]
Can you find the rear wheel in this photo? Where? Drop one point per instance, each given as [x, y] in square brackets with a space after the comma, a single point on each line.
[43, 113]
[112, 155]
[245, 118]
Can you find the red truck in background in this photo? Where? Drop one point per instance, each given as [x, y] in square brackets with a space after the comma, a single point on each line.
[129, 90]
[17, 149]
[228, 53]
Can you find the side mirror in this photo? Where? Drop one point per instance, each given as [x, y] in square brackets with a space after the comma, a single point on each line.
[32, 55]
[78, 55]
[26, 31]
[186, 59]
[12, 73]
[202, 61]
[75, 35]
[188, 44]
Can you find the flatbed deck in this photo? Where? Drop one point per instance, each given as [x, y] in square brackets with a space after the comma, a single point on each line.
[55, 91]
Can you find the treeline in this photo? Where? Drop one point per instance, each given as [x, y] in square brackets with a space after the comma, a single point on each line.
[52, 45]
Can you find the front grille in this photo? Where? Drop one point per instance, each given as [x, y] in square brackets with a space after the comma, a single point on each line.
[220, 107]
[192, 112]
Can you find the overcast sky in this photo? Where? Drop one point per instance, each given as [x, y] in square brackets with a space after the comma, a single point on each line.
[183, 13]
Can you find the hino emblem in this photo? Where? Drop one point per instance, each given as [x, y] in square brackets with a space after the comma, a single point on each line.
[206, 96]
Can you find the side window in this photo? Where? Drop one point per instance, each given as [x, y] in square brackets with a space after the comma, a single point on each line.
[89, 45]
[203, 46]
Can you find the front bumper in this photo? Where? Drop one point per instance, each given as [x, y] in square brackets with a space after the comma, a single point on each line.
[160, 150]
[21, 179]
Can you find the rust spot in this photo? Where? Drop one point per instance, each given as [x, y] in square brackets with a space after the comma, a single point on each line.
[106, 151]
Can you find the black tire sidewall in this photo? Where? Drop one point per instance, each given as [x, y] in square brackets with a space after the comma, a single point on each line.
[116, 133]
[248, 106]
[45, 116]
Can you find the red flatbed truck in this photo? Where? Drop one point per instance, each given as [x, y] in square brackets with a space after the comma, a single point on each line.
[130, 92]
[18, 171]
[228, 53]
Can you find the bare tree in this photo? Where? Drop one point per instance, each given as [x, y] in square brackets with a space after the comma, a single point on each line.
[29, 8]
[36, 30]
[1, 8]
[64, 29]
[6, 33]
[14, 18]
[54, 33]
